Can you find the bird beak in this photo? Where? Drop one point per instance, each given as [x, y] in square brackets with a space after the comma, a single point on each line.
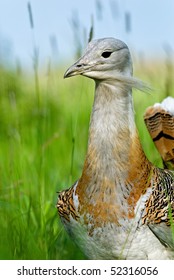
[71, 71]
[78, 68]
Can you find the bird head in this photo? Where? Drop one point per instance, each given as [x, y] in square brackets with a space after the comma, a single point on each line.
[103, 59]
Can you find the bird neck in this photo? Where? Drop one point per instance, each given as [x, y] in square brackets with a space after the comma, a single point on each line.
[114, 149]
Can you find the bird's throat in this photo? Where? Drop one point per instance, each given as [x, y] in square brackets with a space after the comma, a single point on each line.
[112, 128]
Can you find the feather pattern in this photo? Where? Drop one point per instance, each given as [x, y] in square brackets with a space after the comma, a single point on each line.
[159, 120]
[122, 206]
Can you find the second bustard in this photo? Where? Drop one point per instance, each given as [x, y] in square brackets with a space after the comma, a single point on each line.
[122, 207]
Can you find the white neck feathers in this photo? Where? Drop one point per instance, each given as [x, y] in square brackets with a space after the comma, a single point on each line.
[112, 124]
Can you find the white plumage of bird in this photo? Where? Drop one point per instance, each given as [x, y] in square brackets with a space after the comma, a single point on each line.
[122, 207]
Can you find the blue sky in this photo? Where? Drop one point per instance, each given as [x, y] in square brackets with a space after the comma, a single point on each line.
[152, 24]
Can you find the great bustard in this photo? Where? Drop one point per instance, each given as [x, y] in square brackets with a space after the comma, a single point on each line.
[122, 207]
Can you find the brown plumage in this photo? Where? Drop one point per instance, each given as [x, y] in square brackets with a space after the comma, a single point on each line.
[160, 123]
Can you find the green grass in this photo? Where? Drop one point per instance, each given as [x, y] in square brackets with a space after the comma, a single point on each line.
[42, 149]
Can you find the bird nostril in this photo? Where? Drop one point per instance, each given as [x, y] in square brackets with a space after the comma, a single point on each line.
[81, 65]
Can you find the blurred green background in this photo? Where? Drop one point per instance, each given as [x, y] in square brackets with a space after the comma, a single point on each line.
[43, 138]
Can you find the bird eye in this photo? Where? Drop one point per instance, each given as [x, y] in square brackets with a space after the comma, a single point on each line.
[106, 54]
